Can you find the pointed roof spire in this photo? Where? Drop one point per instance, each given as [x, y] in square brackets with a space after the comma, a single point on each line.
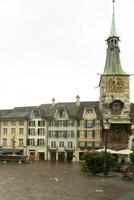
[113, 63]
[113, 28]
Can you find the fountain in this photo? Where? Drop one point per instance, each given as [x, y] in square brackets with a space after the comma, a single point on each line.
[13, 157]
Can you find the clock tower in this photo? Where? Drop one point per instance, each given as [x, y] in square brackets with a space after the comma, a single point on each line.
[114, 93]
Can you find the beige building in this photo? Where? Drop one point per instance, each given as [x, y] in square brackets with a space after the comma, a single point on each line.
[13, 129]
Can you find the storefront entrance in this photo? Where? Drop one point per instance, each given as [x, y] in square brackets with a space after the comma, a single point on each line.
[41, 155]
[69, 156]
[61, 156]
[53, 156]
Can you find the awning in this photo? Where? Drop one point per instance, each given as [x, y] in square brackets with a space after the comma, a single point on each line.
[9, 150]
[119, 121]
[108, 150]
[121, 152]
[124, 152]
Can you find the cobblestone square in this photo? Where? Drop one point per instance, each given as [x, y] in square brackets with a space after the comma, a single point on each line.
[54, 181]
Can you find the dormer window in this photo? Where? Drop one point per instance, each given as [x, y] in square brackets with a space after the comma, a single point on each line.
[89, 113]
[62, 114]
[36, 114]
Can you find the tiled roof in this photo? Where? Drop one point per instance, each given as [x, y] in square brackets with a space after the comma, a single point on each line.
[3, 112]
[72, 109]
[48, 111]
[18, 112]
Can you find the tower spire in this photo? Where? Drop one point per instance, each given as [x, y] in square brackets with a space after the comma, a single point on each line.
[113, 27]
[113, 63]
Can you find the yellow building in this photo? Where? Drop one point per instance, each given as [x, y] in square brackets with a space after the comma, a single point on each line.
[13, 126]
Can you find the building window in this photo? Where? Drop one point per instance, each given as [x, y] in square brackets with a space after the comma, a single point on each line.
[4, 141]
[71, 123]
[65, 123]
[62, 114]
[82, 144]
[31, 123]
[70, 145]
[4, 131]
[36, 114]
[32, 131]
[40, 142]
[13, 123]
[13, 131]
[21, 131]
[41, 131]
[70, 134]
[89, 144]
[53, 134]
[81, 134]
[31, 142]
[65, 134]
[20, 142]
[97, 134]
[97, 144]
[41, 123]
[53, 144]
[52, 123]
[97, 122]
[61, 144]
[89, 134]
[61, 123]
[5, 123]
[61, 133]
[82, 123]
[89, 124]
[21, 123]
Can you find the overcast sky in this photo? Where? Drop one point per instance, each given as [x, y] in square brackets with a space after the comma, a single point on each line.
[55, 48]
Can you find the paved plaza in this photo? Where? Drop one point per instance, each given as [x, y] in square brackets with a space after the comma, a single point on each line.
[55, 181]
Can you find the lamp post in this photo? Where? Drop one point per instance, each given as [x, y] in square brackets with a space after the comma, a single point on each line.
[106, 126]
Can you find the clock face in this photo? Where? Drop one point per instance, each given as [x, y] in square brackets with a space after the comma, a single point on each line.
[115, 84]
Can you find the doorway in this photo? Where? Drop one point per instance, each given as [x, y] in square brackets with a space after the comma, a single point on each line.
[69, 156]
[53, 156]
[61, 156]
[41, 155]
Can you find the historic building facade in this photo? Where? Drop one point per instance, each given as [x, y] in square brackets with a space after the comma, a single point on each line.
[37, 135]
[13, 129]
[115, 94]
[65, 131]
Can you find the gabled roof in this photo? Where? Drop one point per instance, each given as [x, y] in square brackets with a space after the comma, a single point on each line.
[72, 109]
[18, 113]
[48, 110]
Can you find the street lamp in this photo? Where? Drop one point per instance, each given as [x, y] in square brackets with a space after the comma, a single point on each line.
[106, 126]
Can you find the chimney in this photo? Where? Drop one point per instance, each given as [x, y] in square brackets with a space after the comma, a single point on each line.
[77, 100]
[53, 102]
